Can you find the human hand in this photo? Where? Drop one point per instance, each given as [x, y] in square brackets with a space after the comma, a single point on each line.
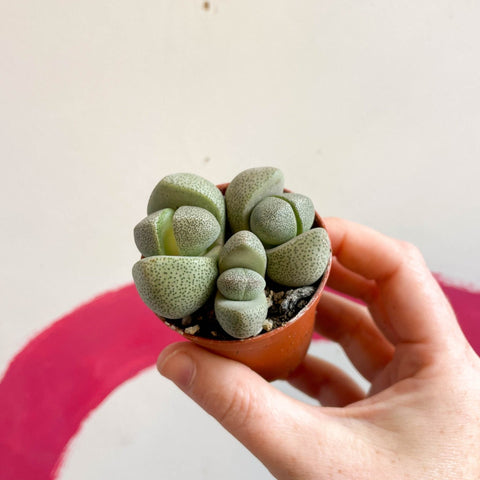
[421, 416]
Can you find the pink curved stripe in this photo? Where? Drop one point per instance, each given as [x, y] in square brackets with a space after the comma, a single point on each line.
[466, 303]
[66, 371]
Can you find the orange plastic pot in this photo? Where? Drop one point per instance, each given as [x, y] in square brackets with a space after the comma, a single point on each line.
[275, 354]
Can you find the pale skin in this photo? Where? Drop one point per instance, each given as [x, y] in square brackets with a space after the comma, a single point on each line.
[419, 420]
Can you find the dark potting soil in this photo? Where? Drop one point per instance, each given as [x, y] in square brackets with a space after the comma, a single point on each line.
[284, 304]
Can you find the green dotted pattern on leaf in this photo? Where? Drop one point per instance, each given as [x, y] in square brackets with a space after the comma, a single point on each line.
[273, 221]
[180, 189]
[303, 208]
[302, 260]
[243, 249]
[150, 233]
[247, 189]
[195, 229]
[240, 284]
[242, 319]
[174, 287]
[186, 219]
[240, 304]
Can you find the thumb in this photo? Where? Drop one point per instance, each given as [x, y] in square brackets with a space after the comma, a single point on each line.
[269, 423]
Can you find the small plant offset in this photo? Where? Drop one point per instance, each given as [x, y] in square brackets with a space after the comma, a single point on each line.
[198, 244]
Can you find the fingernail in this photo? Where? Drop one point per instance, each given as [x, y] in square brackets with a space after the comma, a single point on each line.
[177, 367]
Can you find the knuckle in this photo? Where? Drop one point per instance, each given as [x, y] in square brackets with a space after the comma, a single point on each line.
[411, 250]
[237, 410]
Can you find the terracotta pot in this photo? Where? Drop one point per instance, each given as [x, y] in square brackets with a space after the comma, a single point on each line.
[275, 354]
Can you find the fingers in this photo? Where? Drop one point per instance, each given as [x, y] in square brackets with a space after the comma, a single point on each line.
[408, 305]
[293, 440]
[362, 250]
[351, 283]
[265, 420]
[412, 307]
[352, 327]
[323, 381]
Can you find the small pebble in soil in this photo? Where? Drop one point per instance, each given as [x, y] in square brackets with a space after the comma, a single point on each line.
[292, 297]
[192, 330]
[267, 325]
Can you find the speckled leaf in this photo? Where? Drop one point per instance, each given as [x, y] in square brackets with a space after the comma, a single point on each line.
[273, 221]
[174, 287]
[303, 208]
[241, 319]
[154, 236]
[214, 252]
[195, 229]
[245, 250]
[180, 189]
[240, 284]
[247, 189]
[302, 260]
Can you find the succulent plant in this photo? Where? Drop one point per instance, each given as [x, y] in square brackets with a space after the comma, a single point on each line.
[243, 249]
[296, 254]
[186, 260]
[174, 287]
[240, 284]
[240, 304]
[275, 220]
[310, 251]
[186, 231]
[246, 190]
[180, 240]
[180, 189]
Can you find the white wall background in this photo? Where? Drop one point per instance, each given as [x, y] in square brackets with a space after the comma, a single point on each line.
[370, 107]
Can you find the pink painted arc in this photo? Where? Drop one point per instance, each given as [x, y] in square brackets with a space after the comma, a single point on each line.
[65, 372]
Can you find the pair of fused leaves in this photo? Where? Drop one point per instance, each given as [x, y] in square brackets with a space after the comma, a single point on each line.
[297, 254]
[188, 231]
[187, 219]
[180, 240]
[240, 304]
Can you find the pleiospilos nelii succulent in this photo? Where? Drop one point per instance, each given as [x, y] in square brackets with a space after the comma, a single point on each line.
[240, 304]
[180, 240]
[187, 261]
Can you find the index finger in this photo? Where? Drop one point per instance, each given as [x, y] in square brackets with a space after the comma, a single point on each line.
[408, 304]
[362, 250]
